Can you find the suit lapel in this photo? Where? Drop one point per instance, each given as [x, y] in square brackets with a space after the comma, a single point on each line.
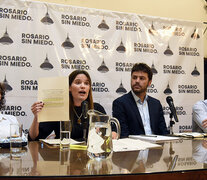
[135, 109]
[150, 108]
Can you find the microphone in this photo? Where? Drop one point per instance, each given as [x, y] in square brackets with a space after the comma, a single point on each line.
[85, 109]
[84, 105]
[169, 100]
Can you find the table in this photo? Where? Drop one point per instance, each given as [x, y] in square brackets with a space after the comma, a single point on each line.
[180, 159]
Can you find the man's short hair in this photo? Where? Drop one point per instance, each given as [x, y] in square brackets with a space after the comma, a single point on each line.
[142, 67]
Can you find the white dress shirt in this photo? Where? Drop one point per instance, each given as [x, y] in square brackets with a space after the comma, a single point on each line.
[144, 113]
[199, 114]
[199, 152]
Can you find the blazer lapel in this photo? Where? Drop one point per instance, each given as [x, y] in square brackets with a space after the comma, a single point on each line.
[150, 107]
[135, 110]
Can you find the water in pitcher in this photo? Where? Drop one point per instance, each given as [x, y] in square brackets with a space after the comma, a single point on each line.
[99, 141]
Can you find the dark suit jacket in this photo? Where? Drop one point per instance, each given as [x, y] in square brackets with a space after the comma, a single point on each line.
[126, 111]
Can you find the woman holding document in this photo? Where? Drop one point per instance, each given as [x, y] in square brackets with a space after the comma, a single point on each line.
[81, 100]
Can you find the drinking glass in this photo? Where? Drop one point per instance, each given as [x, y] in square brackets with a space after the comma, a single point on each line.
[64, 135]
[15, 139]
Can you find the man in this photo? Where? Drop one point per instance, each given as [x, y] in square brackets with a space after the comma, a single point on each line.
[199, 123]
[137, 112]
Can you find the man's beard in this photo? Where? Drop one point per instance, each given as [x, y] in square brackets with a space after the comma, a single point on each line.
[138, 92]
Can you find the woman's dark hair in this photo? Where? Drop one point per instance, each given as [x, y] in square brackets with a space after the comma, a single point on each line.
[143, 68]
[2, 91]
[72, 76]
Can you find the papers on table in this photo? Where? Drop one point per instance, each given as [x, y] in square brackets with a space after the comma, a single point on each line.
[73, 144]
[54, 93]
[57, 141]
[125, 144]
[191, 134]
[154, 138]
[128, 144]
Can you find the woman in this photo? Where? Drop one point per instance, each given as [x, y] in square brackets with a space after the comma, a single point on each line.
[80, 91]
[5, 120]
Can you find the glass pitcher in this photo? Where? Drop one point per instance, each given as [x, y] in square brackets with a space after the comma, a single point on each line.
[94, 167]
[99, 144]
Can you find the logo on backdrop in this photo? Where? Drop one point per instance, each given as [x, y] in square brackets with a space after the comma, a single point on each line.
[94, 43]
[188, 51]
[13, 110]
[121, 89]
[121, 48]
[144, 47]
[47, 19]
[127, 26]
[195, 72]
[6, 85]
[153, 69]
[103, 68]
[5, 39]
[167, 90]
[29, 85]
[179, 109]
[14, 14]
[195, 34]
[185, 128]
[188, 89]
[123, 66]
[127, 67]
[168, 51]
[99, 87]
[14, 61]
[46, 65]
[152, 30]
[152, 89]
[80, 64]
[178, 31]
[103, 26]
[74, 20]
[173, 69]
[38, 39]
[67, 44]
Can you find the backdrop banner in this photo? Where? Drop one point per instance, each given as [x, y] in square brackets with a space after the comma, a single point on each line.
[47, 40]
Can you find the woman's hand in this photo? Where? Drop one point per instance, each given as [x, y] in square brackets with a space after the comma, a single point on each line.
[37, 107]
[204, 123]
[204, 144]
[34, 129]
[114, 135]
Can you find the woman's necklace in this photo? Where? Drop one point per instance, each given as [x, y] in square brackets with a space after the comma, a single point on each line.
[79, 117]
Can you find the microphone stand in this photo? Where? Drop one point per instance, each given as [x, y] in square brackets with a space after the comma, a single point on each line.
[171, 124]
[85, 127]
[173, 163]
[85, 122]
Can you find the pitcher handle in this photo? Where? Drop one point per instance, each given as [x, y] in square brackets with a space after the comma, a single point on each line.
[116, 122]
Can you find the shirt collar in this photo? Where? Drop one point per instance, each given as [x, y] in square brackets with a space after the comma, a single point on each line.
[137, 99]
